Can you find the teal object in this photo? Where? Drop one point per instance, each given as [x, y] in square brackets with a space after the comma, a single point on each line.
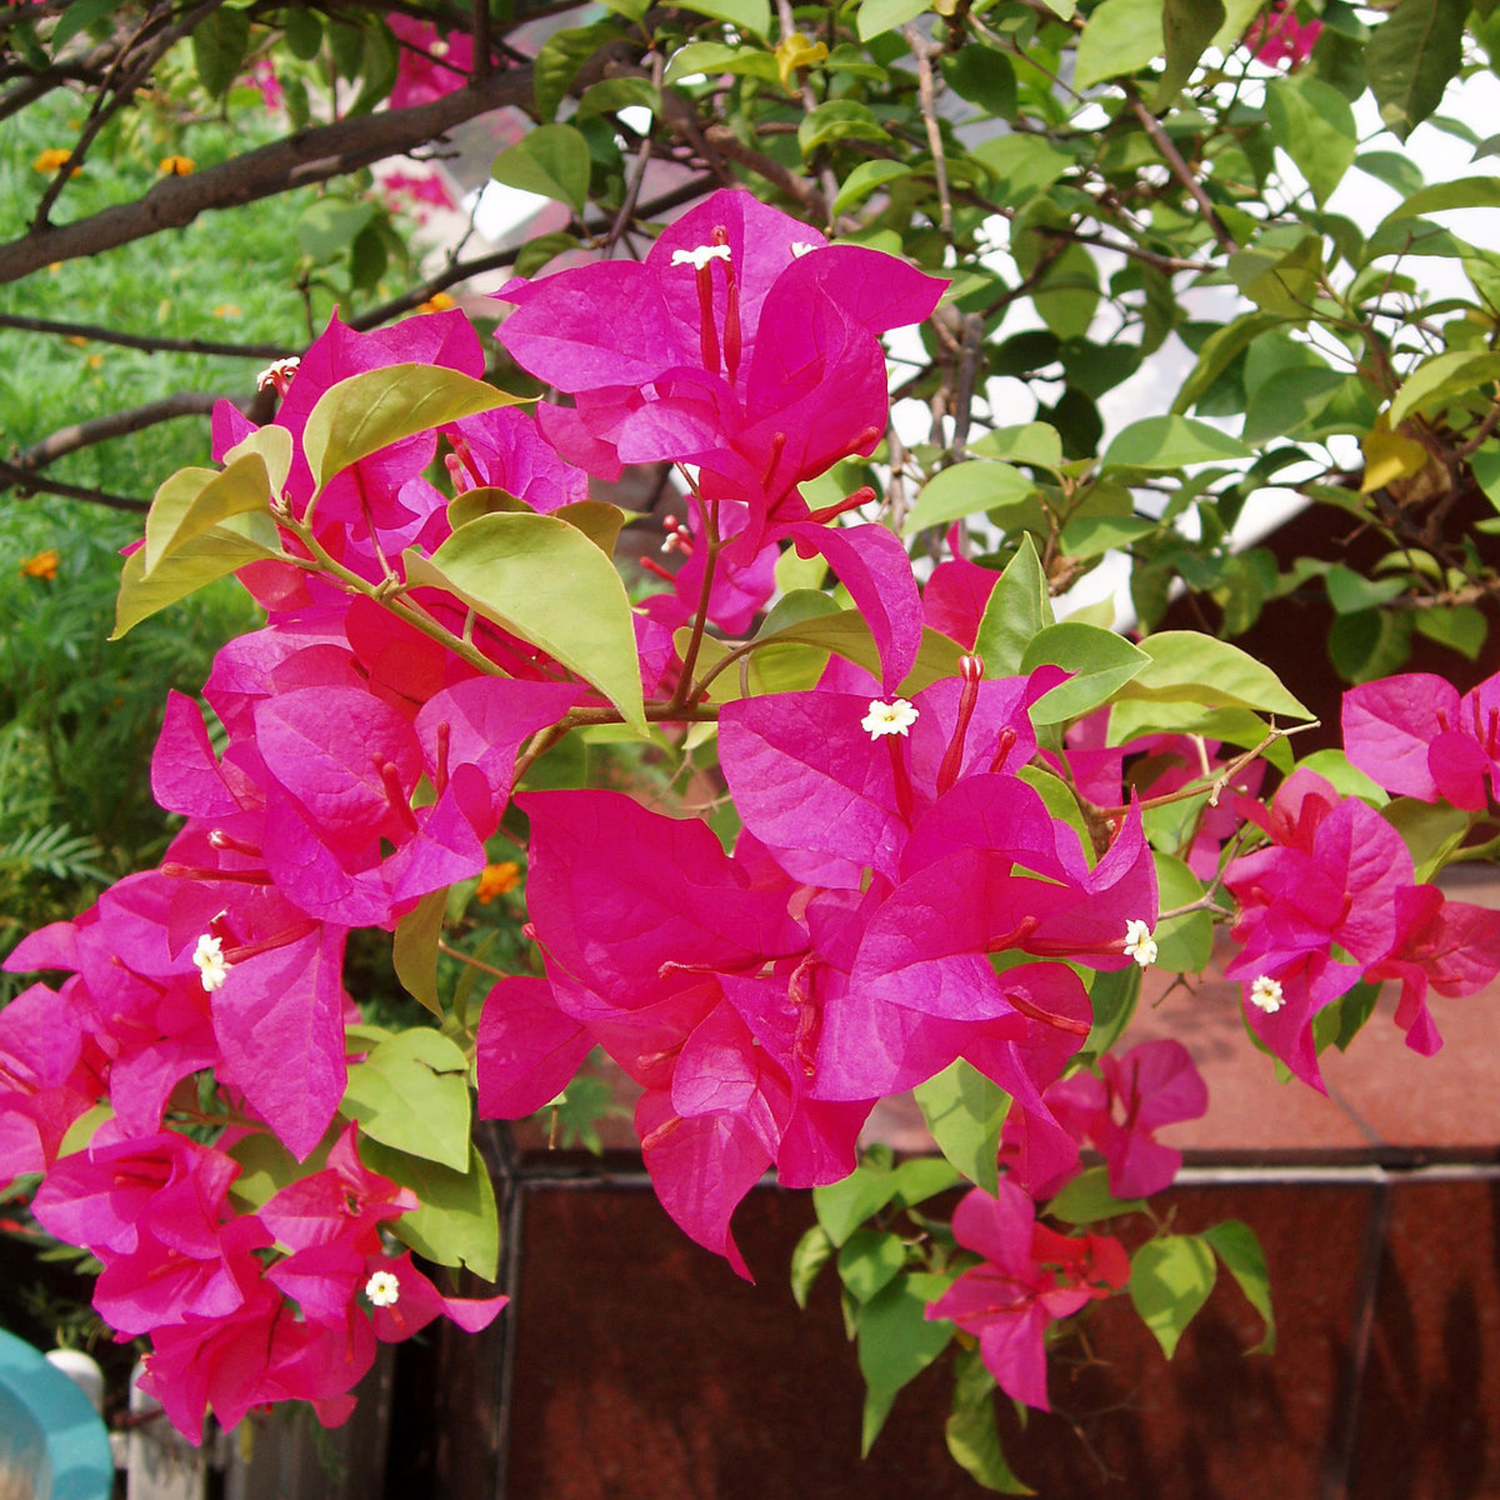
[49, 1432]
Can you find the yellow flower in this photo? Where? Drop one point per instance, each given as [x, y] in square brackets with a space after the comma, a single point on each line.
[227, 310]
[797, 51]
[437, 302]
[497, 880]
[43, 565]
[96, 361]
[53, 158]
[175, 166]
[77, 340]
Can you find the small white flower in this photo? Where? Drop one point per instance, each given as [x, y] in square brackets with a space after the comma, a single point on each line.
[209, 956]
[1139, 943]
[801, 248]
[895, 717]
[700, 257]
[278, 374]
[383, 1289]
[1266, 995]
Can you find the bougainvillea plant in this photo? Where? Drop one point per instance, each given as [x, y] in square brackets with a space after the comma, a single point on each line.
[934, 879]
[936, 836]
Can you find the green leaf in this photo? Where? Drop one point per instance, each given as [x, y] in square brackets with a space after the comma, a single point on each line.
[1410, 58]
[842, 1207]
[714, 57]
[1035, 443]
[552, 160]
[1396, 171]
[304, 33]
[545, 581]
[181, 511]
[1170, 442]
[896, 1343]
[847, 635]
[1445, 378]
[220, 41]
[814, 1251]
[1091, 536]
[1112, 996]
[1291, 399]
[1238, 14]
[1461, 627]
[329, 226]
[1313, 123]
[266, 1166]
[1021, 164]
[358, 416]
[1170, 1279]
[983, 76]
[965, 1113]
[921, 1178]
[1431, 831]
[972, 1435]
[869, 1261]
[966, 489]
[1101, 662]
[865, 179]
[1237, 1247]
[879, 16]
[1219, 351]
[415, 949]
[382, 60]
[412, 1093]
[610, 95]
[1120, 37]
[1088, 1200]
[1186, 943]
[1188, 27]
[753, 16]
[560, 58]
[214, 553]
[1278, 279]
[1466, 192]
[457, 1224]
[1020, 608]
[1186, 666]
[838, 120]
[1349, 592]
[78, 17]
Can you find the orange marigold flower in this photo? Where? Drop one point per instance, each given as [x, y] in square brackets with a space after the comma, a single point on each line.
[176, 166]
[497, 880]
[52, 159]
[438, 302]
[95, 361]
[227, 310]
[43, 565]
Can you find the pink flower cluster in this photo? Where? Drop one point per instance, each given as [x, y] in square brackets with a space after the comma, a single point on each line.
[900, 894]
[1280, 37]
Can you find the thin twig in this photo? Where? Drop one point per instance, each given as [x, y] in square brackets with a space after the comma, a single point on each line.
[116, 424]
[100, 335]
[1183, 173]
[924, 52]
[35, 484]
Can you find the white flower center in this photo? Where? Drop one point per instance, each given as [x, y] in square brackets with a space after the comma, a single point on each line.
[278, 374]
[1266, 995]
[895, 717]
[700, 257]
[1139, 943]
[383, 1289]
[801, 248]
[209, 956]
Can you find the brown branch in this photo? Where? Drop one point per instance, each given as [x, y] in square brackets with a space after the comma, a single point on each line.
[99, 335]
[727, 143]
[32, 484]
[924, 52]
[1184, 174]
[296, 161]
[116, 424]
